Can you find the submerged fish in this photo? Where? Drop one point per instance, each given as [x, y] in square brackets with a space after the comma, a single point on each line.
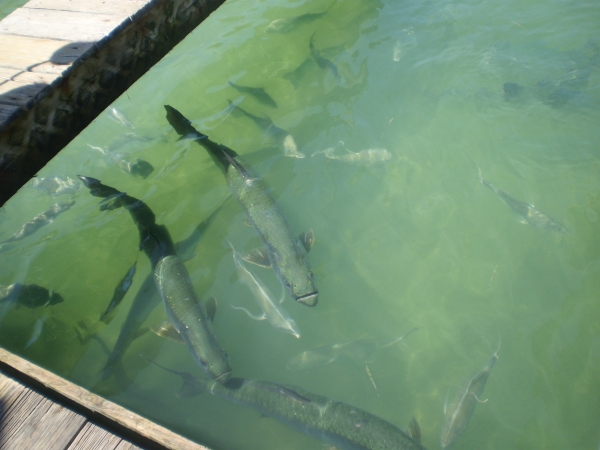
[529, 215]
[147, 299]
[285, 139]
[118, 116]
[39, 221]
[322, 61]
[54, 186]
[284, 252]
[459, 413]
[29, 295]
[364, 157]
[337, 423]
[182, 305]
[271, 311]
[132, 166]
[258, 93]
[357, 351]
[37, 331]
[120, 291]
[288, 24]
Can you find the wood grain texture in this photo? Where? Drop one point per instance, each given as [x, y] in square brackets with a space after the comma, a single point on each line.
[99, 405]
[92, 437]
[69, 26]
[27, 53]
[122, 7]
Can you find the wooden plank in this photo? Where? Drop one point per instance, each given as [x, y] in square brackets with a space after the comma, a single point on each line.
[18, 94]
[61, 25]
[97, 404]
[19, 76]
[26, 52]
[122, 7]
[92, 437]
[6, 111]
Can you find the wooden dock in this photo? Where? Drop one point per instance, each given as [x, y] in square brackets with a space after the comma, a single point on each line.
[64, 61]
[40, 410]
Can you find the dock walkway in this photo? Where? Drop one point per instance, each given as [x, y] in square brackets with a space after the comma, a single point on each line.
[65, 61]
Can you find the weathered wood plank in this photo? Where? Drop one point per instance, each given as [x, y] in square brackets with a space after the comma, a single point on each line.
[97, 404]
[122, 7]
[46, 426]
[61, 25]
[92, 437]
[26, 52]
[18, 94]
[6, 111]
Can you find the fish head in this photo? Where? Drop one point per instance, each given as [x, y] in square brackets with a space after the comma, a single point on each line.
[290, 327]
[213, 360]
[297, 276]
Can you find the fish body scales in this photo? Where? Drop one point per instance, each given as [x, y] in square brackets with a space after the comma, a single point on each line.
[187, 315]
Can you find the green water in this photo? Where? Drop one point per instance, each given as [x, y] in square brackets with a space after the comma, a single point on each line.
[415, 242]
[8, 6]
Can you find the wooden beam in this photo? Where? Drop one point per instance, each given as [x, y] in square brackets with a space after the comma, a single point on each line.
[96, 404]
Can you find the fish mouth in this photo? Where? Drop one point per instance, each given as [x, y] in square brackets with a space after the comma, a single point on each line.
[223, 378]
[309, 299]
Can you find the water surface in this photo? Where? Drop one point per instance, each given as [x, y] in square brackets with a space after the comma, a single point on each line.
[416, 241]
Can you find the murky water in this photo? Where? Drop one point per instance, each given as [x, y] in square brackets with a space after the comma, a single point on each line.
[8, 6]
[414, 241]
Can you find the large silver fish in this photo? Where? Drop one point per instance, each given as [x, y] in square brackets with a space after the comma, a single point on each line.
[459, 413]
[529, 215]
[132, 166]
[119, 117]
[337, 423]
[39, 221]
[271, 311]
[357, 351]
[148, 298]
[284, 252]
[182, 306]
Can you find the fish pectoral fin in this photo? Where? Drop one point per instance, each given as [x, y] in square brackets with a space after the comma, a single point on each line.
[259, 317]
[247, 222]
[189, 389]
[210, 307]
[259, 257]
[414, 430]
[307, 239]
[167, 330]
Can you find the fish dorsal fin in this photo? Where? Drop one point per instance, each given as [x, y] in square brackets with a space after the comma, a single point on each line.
[234, 163]
[414, 430]
[167, 330]
[247, 222]
[259, 257]
[292, 394]
[307, 239]
[210, 306]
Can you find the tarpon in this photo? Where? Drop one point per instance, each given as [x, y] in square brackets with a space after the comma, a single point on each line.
[132, 166]
[147, 299]
[54, 186]
[119, 117]
[529, 215]
[258, 93]
[284, 252]
[271, 311]
[119, 293]
[337, 423]
[288, 24]
[182, 305]
[356, 351]
[459, 413]
[364, 157]
[284, 139]
[322, 61]
[39, 221]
